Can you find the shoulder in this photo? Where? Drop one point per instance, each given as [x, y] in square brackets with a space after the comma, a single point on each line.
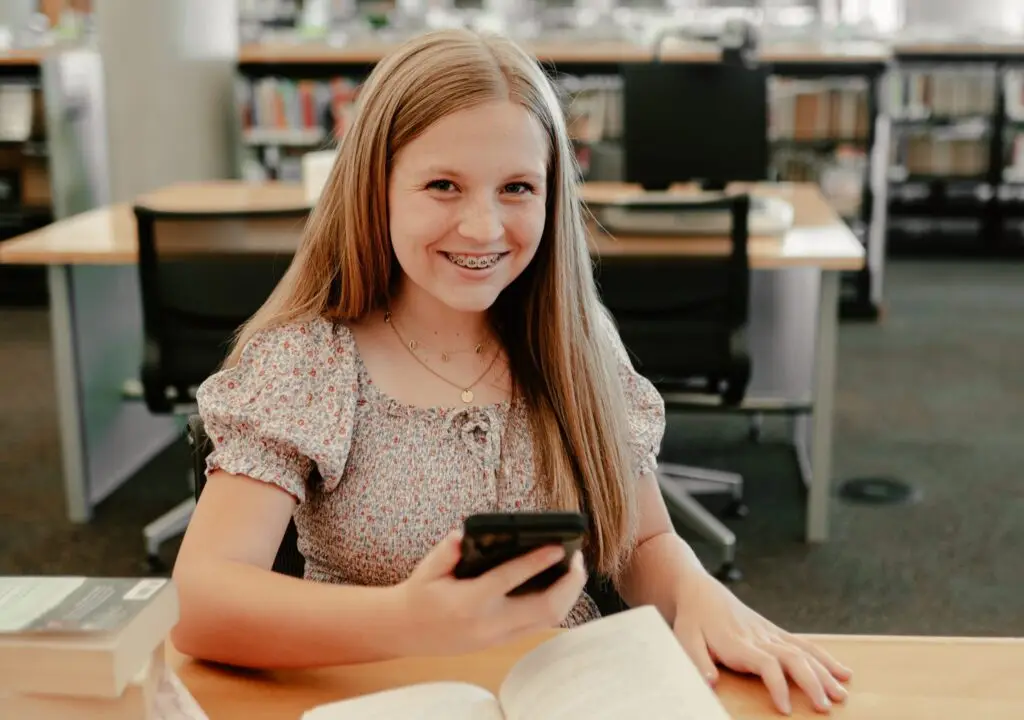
[289, 364]
[288, 402]
[304, 342]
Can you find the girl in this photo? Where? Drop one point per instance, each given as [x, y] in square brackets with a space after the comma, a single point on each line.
[437, 349]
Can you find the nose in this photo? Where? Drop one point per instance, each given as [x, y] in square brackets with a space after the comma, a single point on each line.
[481, 220]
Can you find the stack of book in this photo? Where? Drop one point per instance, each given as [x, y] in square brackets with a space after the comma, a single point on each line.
[77, 648]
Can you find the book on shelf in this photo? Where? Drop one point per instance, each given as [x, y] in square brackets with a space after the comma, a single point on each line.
[593, 107]
[625, 665]
[929, 154]
[943, 92]
[805, 110]
[286, 111]
[1013, 170]
[81, 636]
[1013, 92]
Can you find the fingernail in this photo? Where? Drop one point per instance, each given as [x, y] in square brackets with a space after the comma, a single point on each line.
[787, 709]
[825, 702]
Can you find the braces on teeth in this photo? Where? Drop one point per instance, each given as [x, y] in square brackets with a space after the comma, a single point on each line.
[475, 262]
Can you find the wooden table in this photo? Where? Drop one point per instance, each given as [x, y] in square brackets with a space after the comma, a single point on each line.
[107, 236]
[793, 322]
[895, 678]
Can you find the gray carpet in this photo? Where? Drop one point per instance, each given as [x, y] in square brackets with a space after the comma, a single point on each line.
[931, 396]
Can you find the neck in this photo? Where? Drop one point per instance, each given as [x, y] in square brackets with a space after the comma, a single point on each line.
[424, 318]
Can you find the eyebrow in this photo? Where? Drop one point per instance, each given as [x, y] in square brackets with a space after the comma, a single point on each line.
[439, 171]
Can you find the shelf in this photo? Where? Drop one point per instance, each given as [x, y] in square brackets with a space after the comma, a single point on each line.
[286, 137]
[817, 143]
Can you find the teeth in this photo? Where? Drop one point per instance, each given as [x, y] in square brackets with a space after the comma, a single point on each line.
[476, 262]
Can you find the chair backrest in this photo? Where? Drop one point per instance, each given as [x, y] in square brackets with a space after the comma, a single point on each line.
[289, 560]
[202, 275]
[683, 317]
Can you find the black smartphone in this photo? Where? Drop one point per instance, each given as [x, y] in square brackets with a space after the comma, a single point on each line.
[490, 539]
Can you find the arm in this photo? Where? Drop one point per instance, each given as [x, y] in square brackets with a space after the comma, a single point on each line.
[662, 563]
[236, 610]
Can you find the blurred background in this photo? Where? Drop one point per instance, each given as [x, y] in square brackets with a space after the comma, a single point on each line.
[907, 116]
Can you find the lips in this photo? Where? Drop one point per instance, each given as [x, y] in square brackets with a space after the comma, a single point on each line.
[474, 261]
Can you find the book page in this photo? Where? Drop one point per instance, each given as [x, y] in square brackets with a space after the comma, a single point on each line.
[448, 700]
[627, 665]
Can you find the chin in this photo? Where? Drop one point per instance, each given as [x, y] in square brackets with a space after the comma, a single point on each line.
[468, 301]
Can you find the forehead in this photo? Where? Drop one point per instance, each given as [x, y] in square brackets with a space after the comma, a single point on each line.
[500, 135]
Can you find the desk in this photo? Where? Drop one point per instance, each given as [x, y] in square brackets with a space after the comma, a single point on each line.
[794, 312]
[895, 678]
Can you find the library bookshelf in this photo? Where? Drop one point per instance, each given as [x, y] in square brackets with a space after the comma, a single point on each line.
[25, 193]
[293, 99]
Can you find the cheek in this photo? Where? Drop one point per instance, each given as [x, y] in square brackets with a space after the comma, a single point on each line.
[414, 225]
[527, 226]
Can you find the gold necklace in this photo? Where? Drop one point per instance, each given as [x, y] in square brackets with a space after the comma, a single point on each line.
[414, 345]
[467, 392]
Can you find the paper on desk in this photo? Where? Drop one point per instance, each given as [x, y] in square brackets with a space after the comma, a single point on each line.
[174, 701]
[822, 242]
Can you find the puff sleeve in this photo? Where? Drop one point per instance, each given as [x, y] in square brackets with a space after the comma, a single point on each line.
[286, 407]
[645, 407]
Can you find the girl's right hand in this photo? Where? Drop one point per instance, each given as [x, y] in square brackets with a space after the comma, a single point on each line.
[448, 615]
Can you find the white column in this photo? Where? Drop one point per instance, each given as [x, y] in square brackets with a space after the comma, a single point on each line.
[169, 69]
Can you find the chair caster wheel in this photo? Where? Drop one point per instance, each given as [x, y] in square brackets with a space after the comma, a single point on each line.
[754, 430]
[155, 565]
[737, 509]
[729, 573]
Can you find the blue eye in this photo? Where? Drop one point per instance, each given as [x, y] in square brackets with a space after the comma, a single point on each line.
[442, 185]
[519, 188]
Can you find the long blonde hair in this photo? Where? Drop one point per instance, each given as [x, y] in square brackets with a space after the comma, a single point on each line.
[563, 363]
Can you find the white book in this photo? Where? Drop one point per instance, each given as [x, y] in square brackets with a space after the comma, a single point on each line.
[627, 665]
[80, 635]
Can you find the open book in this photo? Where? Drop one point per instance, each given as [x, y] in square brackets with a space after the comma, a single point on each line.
[627, 665]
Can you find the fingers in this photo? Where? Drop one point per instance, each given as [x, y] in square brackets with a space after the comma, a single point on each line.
[834, 667]
[509, 575]
[692, 640]
[444, 557]
[798, 666]
[550, 607]
[833, 687]
[768, 667]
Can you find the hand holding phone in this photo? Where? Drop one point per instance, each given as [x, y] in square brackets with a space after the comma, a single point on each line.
[489, 540]
[476, 589]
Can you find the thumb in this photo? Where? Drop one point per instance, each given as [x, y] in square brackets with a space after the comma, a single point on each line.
[692, 640]
[443, 557]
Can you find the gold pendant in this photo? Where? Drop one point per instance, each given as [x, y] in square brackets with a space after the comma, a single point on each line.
[444, 357]
[478, 348]
[467, 396]
[412, 344]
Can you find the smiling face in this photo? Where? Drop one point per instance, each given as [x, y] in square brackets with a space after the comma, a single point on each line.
[466, 203]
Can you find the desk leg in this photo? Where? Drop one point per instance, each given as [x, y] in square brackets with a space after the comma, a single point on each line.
[69, 401]
[97, 341]
[819, 488]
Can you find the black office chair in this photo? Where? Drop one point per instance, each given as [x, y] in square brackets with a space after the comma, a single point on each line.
[201, 276]
[683, 320]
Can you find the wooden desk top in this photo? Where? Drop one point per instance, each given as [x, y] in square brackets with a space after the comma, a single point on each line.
[895, 678]
[106, 236]
[30, 58]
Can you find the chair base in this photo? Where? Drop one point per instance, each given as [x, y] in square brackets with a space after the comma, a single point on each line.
[679, 483]
[169, 525]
